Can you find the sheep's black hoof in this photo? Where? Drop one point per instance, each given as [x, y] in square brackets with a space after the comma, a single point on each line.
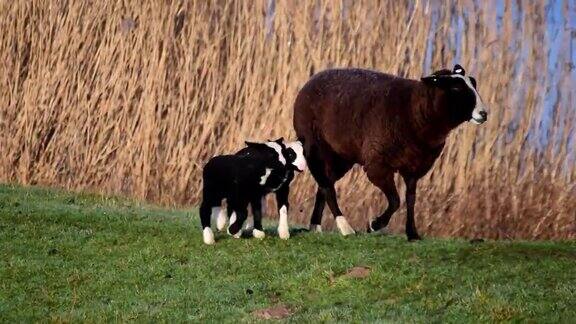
[369, 227]
[414, 238]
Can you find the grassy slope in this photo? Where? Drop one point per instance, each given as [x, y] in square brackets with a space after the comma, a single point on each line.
[82, 257]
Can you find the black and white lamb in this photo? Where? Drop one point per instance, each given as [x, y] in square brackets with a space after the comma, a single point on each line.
[245, 178]
[294, 154]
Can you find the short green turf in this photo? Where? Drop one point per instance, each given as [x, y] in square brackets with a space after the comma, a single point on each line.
[78, 257]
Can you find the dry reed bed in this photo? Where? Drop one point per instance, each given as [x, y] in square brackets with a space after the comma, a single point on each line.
[132, 98]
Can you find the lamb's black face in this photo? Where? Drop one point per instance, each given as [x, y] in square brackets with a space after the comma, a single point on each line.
[465, 102]
[270, 152]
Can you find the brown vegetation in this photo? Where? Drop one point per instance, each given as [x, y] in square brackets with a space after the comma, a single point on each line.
[131, 97]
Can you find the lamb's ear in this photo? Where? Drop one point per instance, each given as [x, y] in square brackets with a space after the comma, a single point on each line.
[252, 144]
[458, 70]
[280, 140]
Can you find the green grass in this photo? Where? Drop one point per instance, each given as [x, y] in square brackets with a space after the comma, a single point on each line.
[70, 257]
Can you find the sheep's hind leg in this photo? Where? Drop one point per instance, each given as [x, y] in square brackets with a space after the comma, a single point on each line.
[341, 222]
[316, 167]
[319, 204]
[327, 168]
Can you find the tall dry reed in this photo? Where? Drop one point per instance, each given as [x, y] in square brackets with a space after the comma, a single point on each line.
[132, 97]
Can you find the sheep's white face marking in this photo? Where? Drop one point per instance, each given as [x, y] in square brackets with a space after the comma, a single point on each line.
[265, 176]
[479, 112]
[283, 230]
[300, 161]
[208, 236]
[278, 150]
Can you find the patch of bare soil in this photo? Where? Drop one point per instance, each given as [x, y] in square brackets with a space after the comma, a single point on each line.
[358, 272]
[276, 312]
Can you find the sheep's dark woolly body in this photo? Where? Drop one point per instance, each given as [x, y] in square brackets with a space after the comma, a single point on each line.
[386, 123]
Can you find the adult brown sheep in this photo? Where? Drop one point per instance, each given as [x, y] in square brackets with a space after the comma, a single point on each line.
[385, 123]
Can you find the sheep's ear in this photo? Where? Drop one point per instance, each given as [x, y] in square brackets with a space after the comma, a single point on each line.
[280, 140]
[458, 69]
[431, 79]
[439, 81]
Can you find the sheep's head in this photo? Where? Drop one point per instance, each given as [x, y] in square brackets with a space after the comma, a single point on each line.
[465, 103]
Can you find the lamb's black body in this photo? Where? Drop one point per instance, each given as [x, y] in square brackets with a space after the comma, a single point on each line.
[278, 181]
[236, 179]
[245, 178]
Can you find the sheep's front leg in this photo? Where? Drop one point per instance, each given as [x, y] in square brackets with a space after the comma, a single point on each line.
[384, 179]
[283, 205]
[411, 231]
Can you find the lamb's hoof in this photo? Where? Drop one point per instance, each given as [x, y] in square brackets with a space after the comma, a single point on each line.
[343, 226]
[316, 228]
[221, 220]
[381, 231]
[208, 236]
[237, 235]
[283, 233]
[258, 234]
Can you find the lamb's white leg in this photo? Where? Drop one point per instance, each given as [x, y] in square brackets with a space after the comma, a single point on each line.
[232, 221]
[316, 228]
[343, 226]
[258, 234]
[208, 236]
[283, 230]
[249, 223]
[221, 219]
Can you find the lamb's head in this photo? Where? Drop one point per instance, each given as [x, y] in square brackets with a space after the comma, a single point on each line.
[464, 101]
[278, 154]
[272, 152]
[294, 154]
